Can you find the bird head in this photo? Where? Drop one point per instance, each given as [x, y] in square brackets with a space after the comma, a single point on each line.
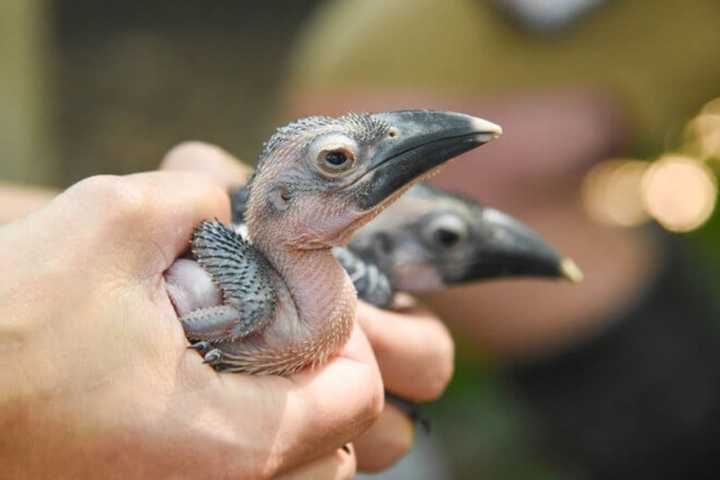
[430, 239]
[320, 178]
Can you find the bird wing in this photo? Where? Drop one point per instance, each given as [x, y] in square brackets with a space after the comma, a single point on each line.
[241, 272]
[371, 283]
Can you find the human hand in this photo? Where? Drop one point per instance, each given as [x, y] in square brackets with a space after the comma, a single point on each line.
[96, 378]
[415, 353]
[413, 348]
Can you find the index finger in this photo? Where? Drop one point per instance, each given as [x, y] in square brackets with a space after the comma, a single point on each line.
[209, 159]
[413, 348]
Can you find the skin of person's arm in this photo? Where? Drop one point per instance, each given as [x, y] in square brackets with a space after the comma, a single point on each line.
[130, 208]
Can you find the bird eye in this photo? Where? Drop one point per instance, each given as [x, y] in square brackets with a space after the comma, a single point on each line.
[447, 238]
[336, 161]
[445, 231]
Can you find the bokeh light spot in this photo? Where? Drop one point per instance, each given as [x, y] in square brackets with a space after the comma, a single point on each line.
[706, 128]
[611, 192]
[679, 192]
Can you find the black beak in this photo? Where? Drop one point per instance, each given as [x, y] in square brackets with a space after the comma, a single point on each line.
[510, 249]
[419, 141]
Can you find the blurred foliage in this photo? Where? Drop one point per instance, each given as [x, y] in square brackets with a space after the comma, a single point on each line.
[487, 432]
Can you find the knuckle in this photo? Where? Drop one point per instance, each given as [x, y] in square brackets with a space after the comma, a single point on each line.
[119, 199]
[95, 186]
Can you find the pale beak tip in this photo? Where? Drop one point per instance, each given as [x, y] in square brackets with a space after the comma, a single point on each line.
[485, 126]
[571, 271]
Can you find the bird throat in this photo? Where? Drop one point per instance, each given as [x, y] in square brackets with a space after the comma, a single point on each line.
[323, 295]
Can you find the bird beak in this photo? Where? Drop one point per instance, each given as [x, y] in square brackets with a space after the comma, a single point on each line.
[419, 142]
[511, 249]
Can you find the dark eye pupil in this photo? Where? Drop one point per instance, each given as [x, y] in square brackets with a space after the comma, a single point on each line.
[447, 238]
[336, 158]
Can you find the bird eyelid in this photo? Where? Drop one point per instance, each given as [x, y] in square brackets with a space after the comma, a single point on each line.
[335, 159]
[333, 143]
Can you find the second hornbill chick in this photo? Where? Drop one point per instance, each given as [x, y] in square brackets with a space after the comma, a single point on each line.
[431, 239]
[281, 301]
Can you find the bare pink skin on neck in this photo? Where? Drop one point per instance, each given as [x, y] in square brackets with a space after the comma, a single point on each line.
[323, 301]
[316, 301]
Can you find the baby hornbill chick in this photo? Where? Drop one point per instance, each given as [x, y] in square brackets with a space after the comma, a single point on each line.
[281, 301]
[431, 239]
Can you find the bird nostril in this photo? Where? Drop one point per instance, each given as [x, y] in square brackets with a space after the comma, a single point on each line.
[392, 133]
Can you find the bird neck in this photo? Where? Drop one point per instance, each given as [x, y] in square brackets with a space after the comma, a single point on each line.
[321, 290]
[323, 295]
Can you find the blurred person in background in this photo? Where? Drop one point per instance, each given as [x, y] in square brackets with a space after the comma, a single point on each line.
[618, 377]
